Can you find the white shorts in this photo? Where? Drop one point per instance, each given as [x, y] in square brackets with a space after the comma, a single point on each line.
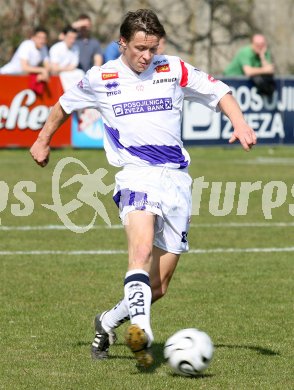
[162, 191]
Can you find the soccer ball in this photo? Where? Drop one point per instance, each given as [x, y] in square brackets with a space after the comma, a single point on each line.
[188, 351]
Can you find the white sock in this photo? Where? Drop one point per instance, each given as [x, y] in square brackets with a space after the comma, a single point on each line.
[138, 298]
[116, 316]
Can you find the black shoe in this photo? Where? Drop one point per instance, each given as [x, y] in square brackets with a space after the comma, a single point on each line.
[98, 326]
[100, 345]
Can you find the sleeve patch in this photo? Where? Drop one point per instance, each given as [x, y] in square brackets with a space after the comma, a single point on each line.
[184, 79]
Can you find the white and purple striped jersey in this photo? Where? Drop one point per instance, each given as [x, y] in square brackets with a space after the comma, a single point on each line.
[142, 113]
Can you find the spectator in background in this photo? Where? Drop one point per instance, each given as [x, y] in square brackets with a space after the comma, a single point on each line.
[251, 60]
[64, 59]
[161, 46]
[112, 51]
[254, 61]
[64, 55]
[31, 57]
[90, 49]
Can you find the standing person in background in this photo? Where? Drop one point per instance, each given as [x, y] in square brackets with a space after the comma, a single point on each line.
[90, 50]
[161, 46]
[31, 57]
[111, 52]
[153, 188]
[254, 61]
[64, 59]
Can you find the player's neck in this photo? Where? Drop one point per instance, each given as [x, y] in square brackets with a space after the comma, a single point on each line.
[127, 64]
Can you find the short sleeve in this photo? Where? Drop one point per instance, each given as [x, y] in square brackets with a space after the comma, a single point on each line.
[79, 97]
[201, 87]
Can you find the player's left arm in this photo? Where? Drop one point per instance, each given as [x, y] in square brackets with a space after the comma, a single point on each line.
[242, 131]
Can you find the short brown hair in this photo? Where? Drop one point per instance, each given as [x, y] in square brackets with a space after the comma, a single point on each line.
[141, 20]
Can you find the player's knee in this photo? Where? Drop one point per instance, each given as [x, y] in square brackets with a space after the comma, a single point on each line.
[141, 255]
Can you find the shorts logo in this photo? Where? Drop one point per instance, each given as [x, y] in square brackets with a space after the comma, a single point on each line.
[184, 237]
[162, 68]
[142, 106]
[108, 76]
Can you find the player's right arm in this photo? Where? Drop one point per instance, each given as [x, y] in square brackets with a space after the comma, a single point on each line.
[79, 97]
[41, 148]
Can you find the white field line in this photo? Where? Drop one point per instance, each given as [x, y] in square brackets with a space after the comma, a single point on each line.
[193, 225]
[267, 160]
[119, 252]
[116, 252]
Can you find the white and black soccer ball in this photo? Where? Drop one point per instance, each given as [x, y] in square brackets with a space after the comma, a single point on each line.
[189, 351]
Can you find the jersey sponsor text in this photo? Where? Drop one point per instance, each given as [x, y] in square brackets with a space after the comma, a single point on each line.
[142, 106]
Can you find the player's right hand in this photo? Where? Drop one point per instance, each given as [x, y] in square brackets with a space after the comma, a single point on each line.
[40, 153]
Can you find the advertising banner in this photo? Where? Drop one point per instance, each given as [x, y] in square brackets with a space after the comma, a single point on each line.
[271, 117]
[24, 109]
[87, 129]
[23, 112]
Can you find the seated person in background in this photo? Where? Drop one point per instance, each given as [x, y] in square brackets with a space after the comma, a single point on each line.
[90, 49]
[254, 61]
[251, 60]
[64, 59]
[30, 57]
[64, 55]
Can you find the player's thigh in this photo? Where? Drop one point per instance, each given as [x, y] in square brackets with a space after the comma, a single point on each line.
[162, 269]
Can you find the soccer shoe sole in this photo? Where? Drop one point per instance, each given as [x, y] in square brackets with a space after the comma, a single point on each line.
[137, 341]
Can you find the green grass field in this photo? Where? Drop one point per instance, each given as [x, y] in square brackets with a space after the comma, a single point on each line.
[236, 283]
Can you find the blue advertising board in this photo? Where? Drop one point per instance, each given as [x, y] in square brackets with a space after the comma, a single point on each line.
[87, 129]
[271, 117]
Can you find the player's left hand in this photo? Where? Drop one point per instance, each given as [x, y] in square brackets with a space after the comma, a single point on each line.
[246, 135]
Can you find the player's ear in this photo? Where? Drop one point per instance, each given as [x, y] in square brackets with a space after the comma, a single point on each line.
[122, 43]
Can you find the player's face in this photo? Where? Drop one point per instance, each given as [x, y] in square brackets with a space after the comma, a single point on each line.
[139, 51]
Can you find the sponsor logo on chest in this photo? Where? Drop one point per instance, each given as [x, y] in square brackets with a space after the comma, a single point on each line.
[162, 68]
[109, 76]
[142, 106]
[164, 80]
[112, 86]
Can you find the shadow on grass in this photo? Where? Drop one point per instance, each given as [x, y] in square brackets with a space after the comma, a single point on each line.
[157, 352]
[260, 350]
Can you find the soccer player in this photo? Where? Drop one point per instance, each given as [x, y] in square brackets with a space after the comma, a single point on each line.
[140, 96]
